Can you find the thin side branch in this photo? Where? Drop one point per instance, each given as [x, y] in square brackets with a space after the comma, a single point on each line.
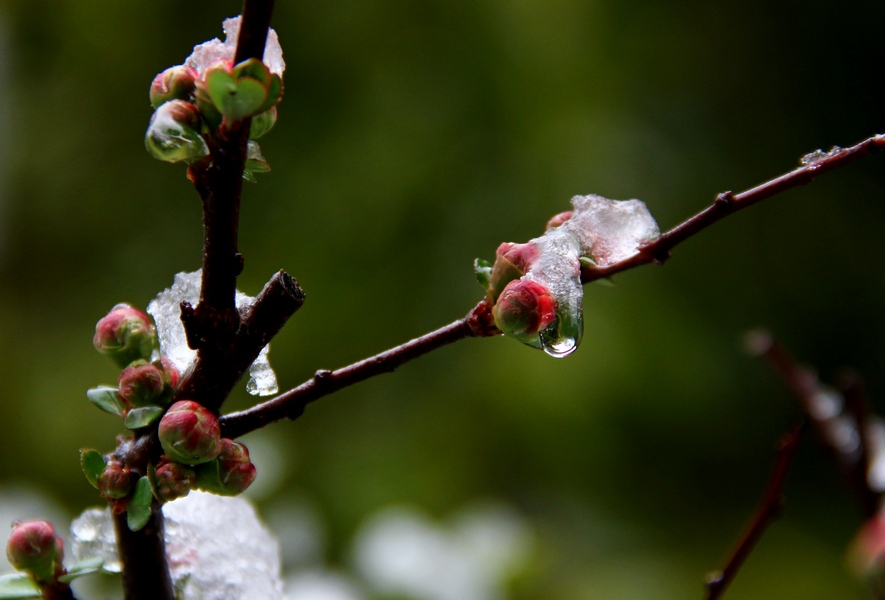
[728, 203]
[769, 510]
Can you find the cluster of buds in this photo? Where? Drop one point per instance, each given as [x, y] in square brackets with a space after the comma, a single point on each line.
[209, 92]
[33, 547]
[196, 456]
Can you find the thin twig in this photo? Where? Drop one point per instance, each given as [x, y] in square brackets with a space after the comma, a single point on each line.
[770, 509]
[811, 397]
[728, 203]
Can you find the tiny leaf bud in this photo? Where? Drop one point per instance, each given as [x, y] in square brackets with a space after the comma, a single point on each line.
[189, 433]
[34, 547]
[115, 481]
[125, 335]
[523, 309]
[229, 474]
[175, 83]
[172, 480]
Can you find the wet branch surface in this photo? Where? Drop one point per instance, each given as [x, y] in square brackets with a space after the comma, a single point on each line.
[769, 510]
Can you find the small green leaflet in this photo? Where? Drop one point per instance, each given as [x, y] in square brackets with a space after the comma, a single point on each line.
[106, 398]
[139, 509]
[92, 463]
[18, 585]
[137, 418]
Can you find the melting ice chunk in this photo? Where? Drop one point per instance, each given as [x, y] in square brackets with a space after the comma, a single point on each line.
[208, 557]
[166, 311]
[605, 231]
[209, 53]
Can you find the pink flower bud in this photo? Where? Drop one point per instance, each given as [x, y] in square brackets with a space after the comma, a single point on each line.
[140, 384]
[125, 335]
[34, 547]
[189, 433]
[173, 480]
[115, 481]
[175, 83]
[512, 261]
[557, 220]
[229, 474]
[523, 309]
[866, 554]
[171, 375]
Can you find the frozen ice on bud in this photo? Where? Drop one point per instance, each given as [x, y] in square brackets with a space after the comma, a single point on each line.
[214, 51]
[140, 384]
[125, 335]
[610, 230]
[173, 480]
[115, 481]
[523, 309]
[173, 134]
[557, 220]
[229, 474]
[175, 83]
[34, 547]
[189, 433]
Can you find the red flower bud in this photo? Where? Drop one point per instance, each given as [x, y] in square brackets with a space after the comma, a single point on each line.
[125, 335]
[115, 481]
[34, 547]
[229, 474]
[140, 384]
[523, 309]
[557, 220]
[189, 433]
[171, 375]
[173, 480]
[512, 261]
[175, 83]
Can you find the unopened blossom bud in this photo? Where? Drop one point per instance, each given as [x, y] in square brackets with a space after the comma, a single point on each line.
[140, 384]
[173, 480]
[512, 261]
[190, 433]
[866, 554]
[229, 474]
[523, 309]
[557, 220]
[34, 547]
[175, 83]
[115, 481]
[174, 133]
[125, 335]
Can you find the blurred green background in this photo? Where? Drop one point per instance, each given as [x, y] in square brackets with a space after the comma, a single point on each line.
[414, 137]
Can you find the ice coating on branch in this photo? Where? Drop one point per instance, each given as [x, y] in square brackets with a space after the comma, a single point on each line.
[209, 53]
[602, 230]
[166, 311]
[813, 158]
[217, 548]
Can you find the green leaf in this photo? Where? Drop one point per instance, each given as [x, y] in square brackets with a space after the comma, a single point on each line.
[236, 99]
[18, 585]
[483, 270]
[84, 567]
[138, 511]
[137, 418]
[274, 93]
[106, 398]
[254, 69]
[92, 463]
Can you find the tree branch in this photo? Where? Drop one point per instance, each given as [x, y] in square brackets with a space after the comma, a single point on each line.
[770, 509]
[143, 555]
[727, 203]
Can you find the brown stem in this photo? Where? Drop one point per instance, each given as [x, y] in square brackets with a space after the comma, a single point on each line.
[143, 555]
[291, 404]
[769, 510]
[728, 203]
[58, 591]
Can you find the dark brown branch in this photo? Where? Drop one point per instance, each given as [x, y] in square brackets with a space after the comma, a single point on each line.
[143, 555]
[58, 591]
[769, 510]
[291, 404]
[728, 203]
[808, 392]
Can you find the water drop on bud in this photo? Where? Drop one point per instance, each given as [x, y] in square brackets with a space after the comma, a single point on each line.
[115, 481]
[140, 384]
[523, 309]
[125, 335]
[173, 480]
[175, 83]
[189, 433]
[174, 133]
[229, 474]
[34, 547]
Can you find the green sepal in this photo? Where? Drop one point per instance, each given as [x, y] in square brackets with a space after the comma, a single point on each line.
[483, 270]
[106, 398]
[138, 511]
[588, 262]
[19, 585]
[274, 93]
[255, 162]
[84, 567]
[92, 463]
[254, 69]
[137, 418]
[262, 123]
[234, 98]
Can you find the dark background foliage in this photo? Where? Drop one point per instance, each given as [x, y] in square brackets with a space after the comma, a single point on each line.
[416, 136]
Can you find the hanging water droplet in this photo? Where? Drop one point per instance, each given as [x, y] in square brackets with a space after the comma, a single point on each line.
[562, 337]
